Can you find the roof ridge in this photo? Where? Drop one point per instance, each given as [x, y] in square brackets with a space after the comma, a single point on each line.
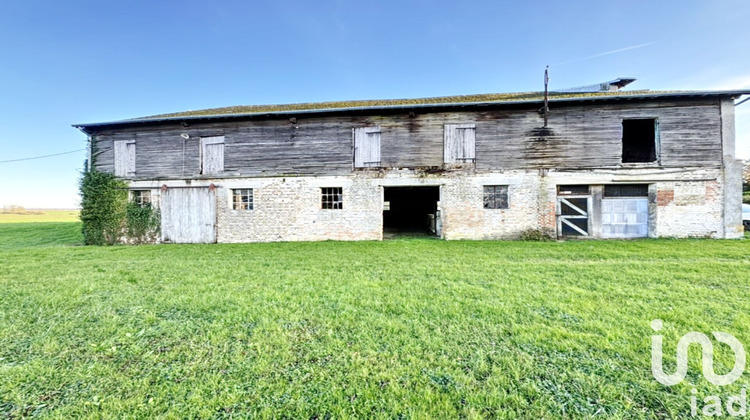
[436, 101]
[478, 97]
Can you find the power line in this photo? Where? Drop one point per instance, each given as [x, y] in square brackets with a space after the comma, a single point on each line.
[41, 157]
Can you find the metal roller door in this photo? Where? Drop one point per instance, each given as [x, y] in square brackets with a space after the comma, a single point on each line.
[624, 216]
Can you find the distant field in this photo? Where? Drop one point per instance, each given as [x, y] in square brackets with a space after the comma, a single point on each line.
[32, 216]
[413, 328]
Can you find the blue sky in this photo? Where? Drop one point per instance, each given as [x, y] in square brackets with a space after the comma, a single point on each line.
[87, 61]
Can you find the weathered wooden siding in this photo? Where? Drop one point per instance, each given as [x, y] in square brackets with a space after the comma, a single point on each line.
[580, 136]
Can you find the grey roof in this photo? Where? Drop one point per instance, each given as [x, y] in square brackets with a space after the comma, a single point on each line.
[424, 104]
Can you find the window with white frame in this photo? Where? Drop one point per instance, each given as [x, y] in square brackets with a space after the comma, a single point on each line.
[124, 157]
[366, 147]
[496, 196]
[141, 197]
[212, 155]
[459, 143]
[332, 198]
[242, 199]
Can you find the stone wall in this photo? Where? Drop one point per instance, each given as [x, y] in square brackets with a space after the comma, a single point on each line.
[685, 203]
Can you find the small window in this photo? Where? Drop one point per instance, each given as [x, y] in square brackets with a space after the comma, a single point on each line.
[496, 196]
[124, 158]
[459, 143]
[212, 155]
[366, 147]
[626, 190]
[141, 197]
[572, 190]
[332, 198]
[242, 199]
[639, 140]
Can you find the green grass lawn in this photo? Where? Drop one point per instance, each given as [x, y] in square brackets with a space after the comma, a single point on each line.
[35, 216]
[408, 328]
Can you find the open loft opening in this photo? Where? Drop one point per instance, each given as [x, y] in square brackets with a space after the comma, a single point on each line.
[639, 140]
[411, 211]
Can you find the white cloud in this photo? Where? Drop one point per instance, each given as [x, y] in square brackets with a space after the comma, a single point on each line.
[732, 83]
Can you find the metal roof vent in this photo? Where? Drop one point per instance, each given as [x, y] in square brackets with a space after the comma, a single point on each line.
[611, 86]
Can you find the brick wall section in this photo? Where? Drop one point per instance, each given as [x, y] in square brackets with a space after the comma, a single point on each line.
[689, 210]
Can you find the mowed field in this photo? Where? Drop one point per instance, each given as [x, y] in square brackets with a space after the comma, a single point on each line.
[36, 216]
[412, 328]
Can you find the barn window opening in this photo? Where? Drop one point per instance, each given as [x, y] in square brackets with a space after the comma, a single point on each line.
[496, 196]
[242, 199]
[639, 140]
[366, 147]
[141, 197]
[459, 143]
[572, 190]
[411, 211]
[626, 190]
[332, 198]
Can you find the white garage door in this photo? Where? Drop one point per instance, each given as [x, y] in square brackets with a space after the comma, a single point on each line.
[625, 217]
[188, 215]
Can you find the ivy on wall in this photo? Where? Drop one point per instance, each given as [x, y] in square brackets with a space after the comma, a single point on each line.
[104, 200]
[142, 222]
[107, 215]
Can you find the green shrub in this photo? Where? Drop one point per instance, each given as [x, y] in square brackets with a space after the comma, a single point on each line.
[104, 200]
[537, 235]
[142, 222]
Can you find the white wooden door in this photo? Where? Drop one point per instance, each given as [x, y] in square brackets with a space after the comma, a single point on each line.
[459, 143]
[188, 215]
[625, 217]
[212, 155]
[366, 147]
[124, 151]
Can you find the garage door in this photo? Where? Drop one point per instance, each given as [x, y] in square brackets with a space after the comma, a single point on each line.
[625, 211]
[188, 215]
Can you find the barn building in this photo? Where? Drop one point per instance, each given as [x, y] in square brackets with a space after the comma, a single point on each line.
[608, 164]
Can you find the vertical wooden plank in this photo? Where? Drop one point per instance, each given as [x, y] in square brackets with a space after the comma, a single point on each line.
[359, 157]
[120, 158]
[130, 158]
[468, 139]
[374, 148]
[449, 143]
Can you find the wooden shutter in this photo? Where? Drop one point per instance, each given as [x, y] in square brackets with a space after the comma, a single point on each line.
[212, 155]
[459, 143]
[124, 158]
[366, 147]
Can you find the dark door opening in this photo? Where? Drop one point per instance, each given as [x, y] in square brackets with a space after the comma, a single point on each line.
[411, 211]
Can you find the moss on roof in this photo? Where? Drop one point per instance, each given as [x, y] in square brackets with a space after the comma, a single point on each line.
[488, 97]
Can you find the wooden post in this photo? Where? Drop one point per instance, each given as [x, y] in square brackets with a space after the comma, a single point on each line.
[546, 98]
